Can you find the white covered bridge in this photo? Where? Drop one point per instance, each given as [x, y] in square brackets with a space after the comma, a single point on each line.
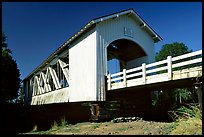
[78, 70]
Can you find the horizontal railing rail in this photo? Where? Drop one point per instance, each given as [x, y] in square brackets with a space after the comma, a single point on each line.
[163, 70]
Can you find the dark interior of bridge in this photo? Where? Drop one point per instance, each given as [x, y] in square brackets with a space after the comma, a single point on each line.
[124, 50]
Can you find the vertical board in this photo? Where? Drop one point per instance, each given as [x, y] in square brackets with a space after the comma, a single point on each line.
[82, 68]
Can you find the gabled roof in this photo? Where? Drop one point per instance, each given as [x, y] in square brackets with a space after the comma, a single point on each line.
[93, 22]
[143, 24]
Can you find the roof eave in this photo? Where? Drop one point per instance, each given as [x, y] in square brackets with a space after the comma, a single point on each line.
[155, 36]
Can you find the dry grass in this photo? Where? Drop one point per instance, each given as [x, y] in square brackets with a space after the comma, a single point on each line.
[35, 129]
[189, 120]
[192, 126]
[54, 126]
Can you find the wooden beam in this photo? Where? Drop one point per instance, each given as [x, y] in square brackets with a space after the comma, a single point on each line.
[124, 78]
[198, 87]
[54, 78]
[144, 73]
[46, 85]
[169, 66]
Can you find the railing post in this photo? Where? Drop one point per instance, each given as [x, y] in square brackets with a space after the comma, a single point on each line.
[169, 65]
[124, 78]
[109, 81]
[144, 73]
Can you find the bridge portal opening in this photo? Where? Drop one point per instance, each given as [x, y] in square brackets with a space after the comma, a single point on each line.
[127, 54]
[123, 54]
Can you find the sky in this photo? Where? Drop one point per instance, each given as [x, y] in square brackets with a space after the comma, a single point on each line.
[35, 30]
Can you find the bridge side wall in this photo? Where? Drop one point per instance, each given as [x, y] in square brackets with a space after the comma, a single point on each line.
[82, 68]
[123, 27]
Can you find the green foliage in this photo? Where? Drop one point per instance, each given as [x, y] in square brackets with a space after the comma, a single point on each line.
[186, 95]
[96, 125]
[21, 93]
[122, 129]
[10, 74]
[174, 49]
[170, 97]
[63, 122]
[6, 52]
[186, 112]
[171, 127]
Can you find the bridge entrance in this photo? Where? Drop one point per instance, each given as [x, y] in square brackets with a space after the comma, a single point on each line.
[126, 54]
[122, 54]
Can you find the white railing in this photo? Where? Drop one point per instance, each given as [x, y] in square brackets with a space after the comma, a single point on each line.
[155, 72]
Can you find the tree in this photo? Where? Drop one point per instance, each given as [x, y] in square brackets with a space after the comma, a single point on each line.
[174, 49]
[169, 97]
[10, 74]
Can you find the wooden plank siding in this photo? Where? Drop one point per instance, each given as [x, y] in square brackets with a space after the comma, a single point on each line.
[83, 68]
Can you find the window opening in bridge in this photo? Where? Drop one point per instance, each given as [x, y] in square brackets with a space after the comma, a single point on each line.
[62, 80]
[65, 60]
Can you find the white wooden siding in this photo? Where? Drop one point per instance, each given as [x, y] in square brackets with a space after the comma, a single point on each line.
[114, 29]
[56, 96]
[82, 61]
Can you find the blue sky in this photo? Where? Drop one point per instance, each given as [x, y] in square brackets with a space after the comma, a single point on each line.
[35, 30]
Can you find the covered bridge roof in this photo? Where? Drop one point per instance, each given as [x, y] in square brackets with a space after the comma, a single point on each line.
[91, 24]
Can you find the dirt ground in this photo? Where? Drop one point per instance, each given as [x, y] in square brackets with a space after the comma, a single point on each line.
[138, 127]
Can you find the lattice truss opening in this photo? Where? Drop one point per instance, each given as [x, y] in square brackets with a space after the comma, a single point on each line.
[50, 78]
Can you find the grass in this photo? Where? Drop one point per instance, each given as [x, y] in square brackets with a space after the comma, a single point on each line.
[122, 129]
[35, 129]
[146, 130]
[188, 120]
[96, 125]
[63, 123]
[192, 126]
[54, 126]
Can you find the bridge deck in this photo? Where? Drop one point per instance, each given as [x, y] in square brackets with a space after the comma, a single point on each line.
[159, 72]
[179, 82]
